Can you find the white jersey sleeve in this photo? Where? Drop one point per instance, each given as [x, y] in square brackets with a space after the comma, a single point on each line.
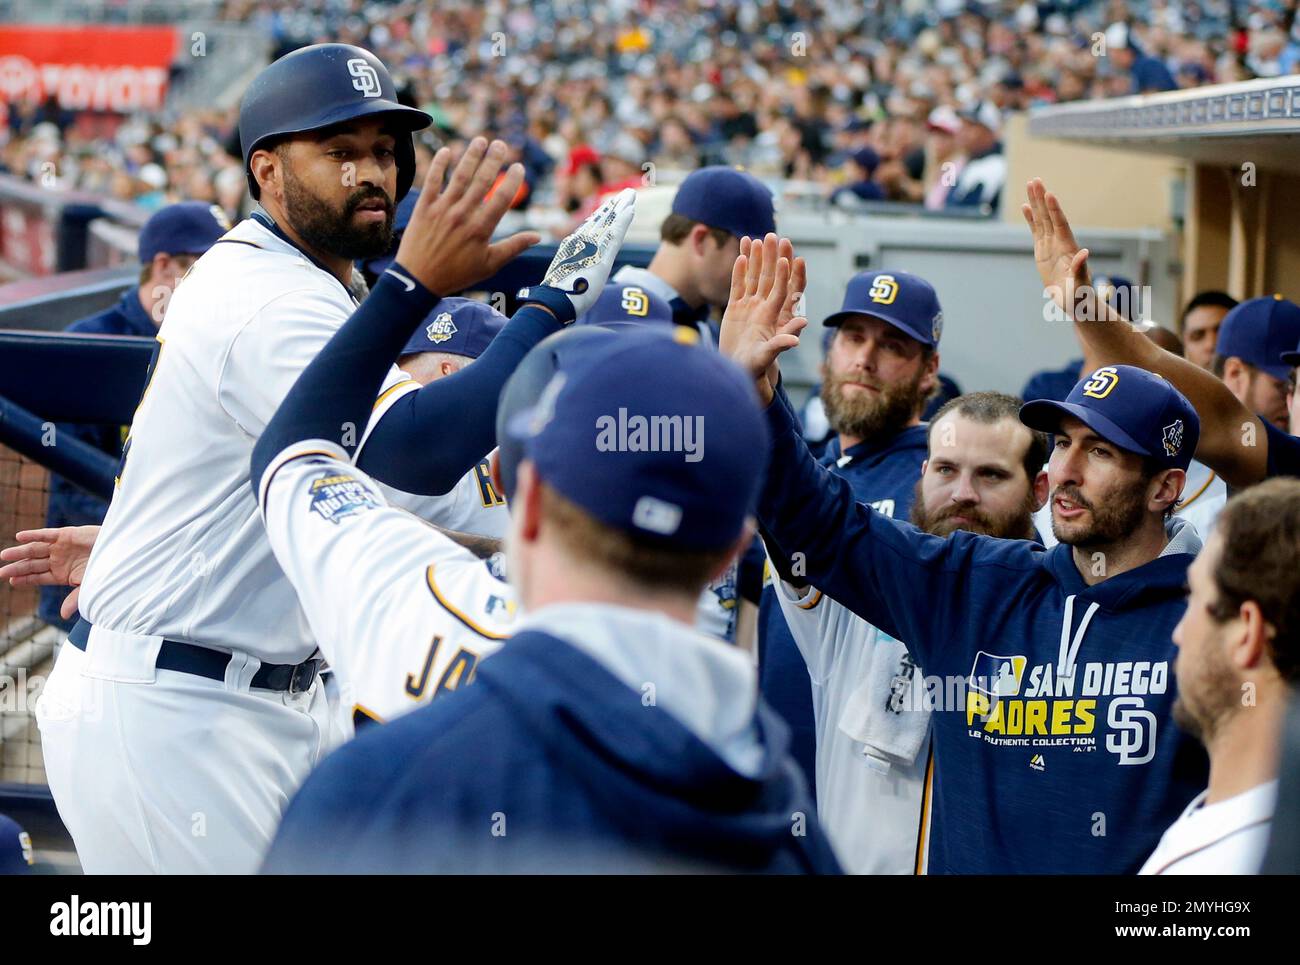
[821, 628]
[401, 612]
[271, 350]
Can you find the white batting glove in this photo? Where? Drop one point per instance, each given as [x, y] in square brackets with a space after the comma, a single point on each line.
[584, 260]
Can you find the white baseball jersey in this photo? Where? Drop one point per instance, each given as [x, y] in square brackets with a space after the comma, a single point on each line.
[870, 801]
[182, 553]
[473, 506]
[401, 612]
[1225, 838]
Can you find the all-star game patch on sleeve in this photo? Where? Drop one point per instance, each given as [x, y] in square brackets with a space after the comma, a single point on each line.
[401, 612]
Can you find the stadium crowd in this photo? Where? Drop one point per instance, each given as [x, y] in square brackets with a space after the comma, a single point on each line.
[877, 101]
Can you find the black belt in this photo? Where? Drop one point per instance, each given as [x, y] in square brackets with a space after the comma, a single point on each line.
[293, 678]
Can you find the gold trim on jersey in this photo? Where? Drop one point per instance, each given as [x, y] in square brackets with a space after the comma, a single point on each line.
[391, 389]
[446, 605]
[1197, 495]
[812, 601]
[366, 712]
[923, 830]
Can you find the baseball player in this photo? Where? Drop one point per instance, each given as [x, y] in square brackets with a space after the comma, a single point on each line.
[607, 735]
[982, 474]
[712, 210]
[1237, 637]
[170, 241]
[628, 305]
[454, 334]
[1054, 719]
[1235, 442]
[188, 706]
[881, 367]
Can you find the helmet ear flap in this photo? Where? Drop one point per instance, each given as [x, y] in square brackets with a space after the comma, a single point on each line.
[405, 151]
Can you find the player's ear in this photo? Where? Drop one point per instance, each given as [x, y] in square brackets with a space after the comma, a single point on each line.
[494, 471]
[266, 167]
[1040, 488]
[527, 502]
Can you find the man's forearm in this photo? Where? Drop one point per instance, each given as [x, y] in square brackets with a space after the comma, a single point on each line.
[1232, 442]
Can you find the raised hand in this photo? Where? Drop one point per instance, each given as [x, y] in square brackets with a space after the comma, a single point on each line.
[448, 244]
[585, 258]
[1062, 264]
[762, 320]
[50, 557]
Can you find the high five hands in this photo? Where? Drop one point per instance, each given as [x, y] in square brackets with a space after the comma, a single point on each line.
[764, 313]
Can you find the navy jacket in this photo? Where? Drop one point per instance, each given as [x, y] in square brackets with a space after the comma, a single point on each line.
[71, 505]
[547, 763]
[1055, 746]
[883, 475]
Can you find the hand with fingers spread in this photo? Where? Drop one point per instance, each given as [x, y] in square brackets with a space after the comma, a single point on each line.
[448, 244]
[1062, 264]
[50, 557]
[584, 260]
[761, 319]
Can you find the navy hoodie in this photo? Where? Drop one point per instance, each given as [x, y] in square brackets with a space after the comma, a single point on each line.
[883, 474]
[1055, 748]
[548, 763]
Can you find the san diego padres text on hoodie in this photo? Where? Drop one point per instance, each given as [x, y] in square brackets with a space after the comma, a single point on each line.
[1055, 746]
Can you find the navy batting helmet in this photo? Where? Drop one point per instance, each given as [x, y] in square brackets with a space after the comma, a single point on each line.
[319, 86]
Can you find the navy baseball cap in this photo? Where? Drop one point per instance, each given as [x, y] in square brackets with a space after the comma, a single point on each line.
[727, 198]
[187, 228]
[900, 298]
[1260, 331]
[15, 848]
[460, 326]
[401, 218]
[627, 305]
[651, 436]
[1130, 408]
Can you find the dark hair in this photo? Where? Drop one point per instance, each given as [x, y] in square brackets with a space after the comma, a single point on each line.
[1217, 299]
[992, 407]
[1260, 561]
[1220, 362]
[677, 227]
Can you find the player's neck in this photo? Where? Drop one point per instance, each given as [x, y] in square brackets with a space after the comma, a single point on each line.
[669, 263]
[1244, 752]
[149, 301]
[1102, 561]
[336, 265]
[555, 581]
[847, 441]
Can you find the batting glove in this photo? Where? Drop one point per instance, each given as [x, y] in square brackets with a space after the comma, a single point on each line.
[584, 260]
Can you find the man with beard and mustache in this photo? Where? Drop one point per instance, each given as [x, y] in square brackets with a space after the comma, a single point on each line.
[983, 475]
[880, 367]
[1238, 657]
[1055, 749]
[188, 705]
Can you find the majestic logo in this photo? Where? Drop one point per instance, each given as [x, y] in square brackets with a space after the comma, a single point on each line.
[937, 327]
[636, 302]
[219, 215]
[883, 290]
[364, 77]
[1037, 763]
[1101, 383]
[441, 329]
[996, 675]
[1172, 437]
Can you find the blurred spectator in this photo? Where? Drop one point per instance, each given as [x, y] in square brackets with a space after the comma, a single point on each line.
[1200, 324]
